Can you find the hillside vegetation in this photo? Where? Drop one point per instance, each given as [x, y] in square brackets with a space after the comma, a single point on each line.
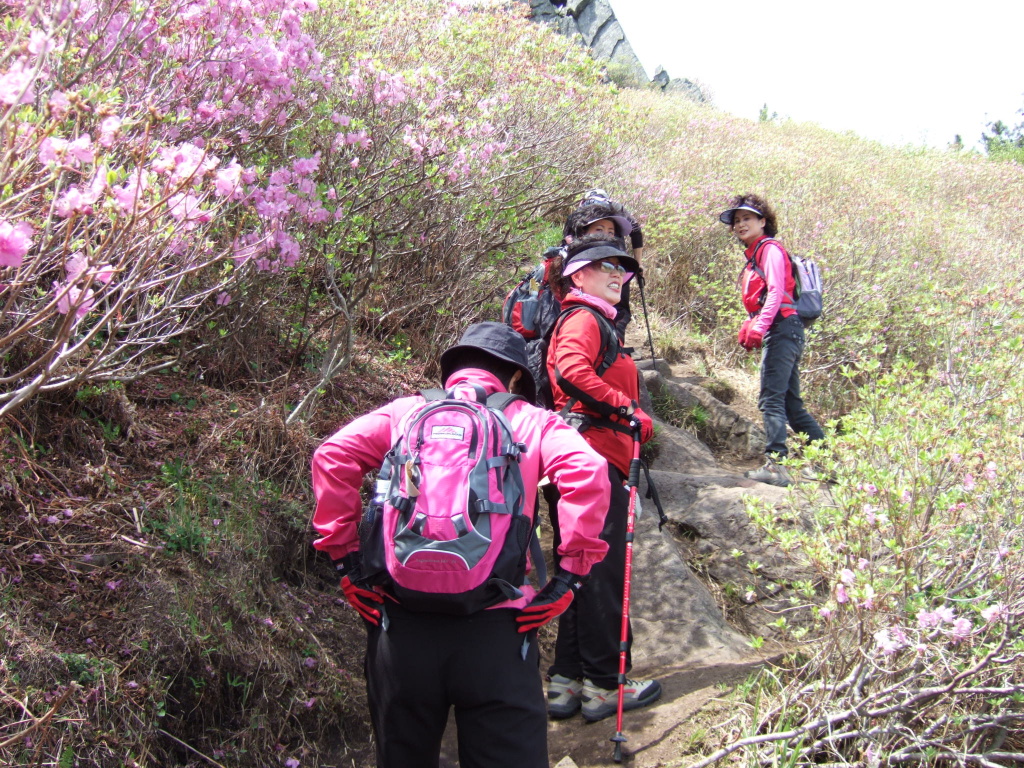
[226, 228]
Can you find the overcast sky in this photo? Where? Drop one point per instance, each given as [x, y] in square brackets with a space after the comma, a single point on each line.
[899, 71]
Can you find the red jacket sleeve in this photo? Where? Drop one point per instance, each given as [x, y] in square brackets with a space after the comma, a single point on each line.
[574, 355]
[338, 469]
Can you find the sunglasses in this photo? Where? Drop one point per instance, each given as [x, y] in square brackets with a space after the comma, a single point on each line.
[608, 268]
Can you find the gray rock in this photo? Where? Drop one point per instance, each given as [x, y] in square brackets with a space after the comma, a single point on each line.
[679, 451]
[661, 366]
[661, 78]
[731, 430]
[686, 88]
[576, 7]
[543, 10]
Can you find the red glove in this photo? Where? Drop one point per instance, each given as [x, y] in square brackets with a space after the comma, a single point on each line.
[365, 601]
[646, 425]
[550, 601]
[749, 338]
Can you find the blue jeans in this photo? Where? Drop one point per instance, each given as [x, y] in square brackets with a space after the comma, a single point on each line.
[780, 399]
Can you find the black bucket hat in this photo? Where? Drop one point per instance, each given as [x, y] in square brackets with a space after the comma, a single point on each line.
[602, 249]
[497, 340]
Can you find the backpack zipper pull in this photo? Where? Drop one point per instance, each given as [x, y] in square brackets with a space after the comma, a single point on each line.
[412, 478]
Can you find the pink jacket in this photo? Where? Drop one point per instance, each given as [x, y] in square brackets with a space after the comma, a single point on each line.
[554, 450]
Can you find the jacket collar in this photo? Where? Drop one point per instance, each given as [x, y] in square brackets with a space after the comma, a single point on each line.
[596, 302]
[476, 377]
[753, 248]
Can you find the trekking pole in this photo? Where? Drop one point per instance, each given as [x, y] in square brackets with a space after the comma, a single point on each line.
[634, 483]
[643, 301]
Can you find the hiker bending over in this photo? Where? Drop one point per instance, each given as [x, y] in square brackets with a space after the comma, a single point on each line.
[768, 286]
[596, 386]
[422, 656]
[597, 213]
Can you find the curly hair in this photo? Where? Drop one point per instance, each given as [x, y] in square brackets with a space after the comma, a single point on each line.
[755, 201]
[560, 284]
[587, 214]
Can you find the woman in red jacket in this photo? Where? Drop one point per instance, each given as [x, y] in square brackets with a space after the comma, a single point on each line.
[768, 289]
[584, 674]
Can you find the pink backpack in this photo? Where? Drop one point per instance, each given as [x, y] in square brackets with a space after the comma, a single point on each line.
[446, 530]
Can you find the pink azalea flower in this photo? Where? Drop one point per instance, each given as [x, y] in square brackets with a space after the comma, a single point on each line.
[16, 84]
[869, 597]
[995, 612]
[50, 149]
[962, 628]
[846, 576]
[81, 149]
[990, 471]
[70, 296]
[73, 201]
[185, 208]
[841, 596]
[886, 643]
[306, 165]
[108, 129]
[945, 614]
[59, 104]
[227, 181]
[15, 241]
[968, 482]
[40, 43]
[128, 194]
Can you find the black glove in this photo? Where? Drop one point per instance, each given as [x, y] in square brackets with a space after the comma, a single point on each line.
[550, 601]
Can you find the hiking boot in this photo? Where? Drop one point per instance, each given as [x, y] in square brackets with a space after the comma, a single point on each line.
[599, 703]
[564, 696]
[771, 473]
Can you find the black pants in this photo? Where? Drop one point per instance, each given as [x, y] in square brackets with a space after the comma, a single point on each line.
[589, 631]
[780, 399]
[426, 663]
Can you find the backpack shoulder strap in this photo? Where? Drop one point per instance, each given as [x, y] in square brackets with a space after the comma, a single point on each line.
[502, 400]
[610, 349]
[752, 261]
[756, 268]
[433, 394]
[610, 346]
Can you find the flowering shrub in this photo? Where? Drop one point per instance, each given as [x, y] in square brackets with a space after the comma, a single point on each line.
[127, 132]
[898, 233]
[182, 168]
[917, 550]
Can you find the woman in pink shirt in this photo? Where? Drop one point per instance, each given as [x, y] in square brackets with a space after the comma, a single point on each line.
[769, 298]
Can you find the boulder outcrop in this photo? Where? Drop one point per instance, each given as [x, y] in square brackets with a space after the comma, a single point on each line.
[594, 24]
